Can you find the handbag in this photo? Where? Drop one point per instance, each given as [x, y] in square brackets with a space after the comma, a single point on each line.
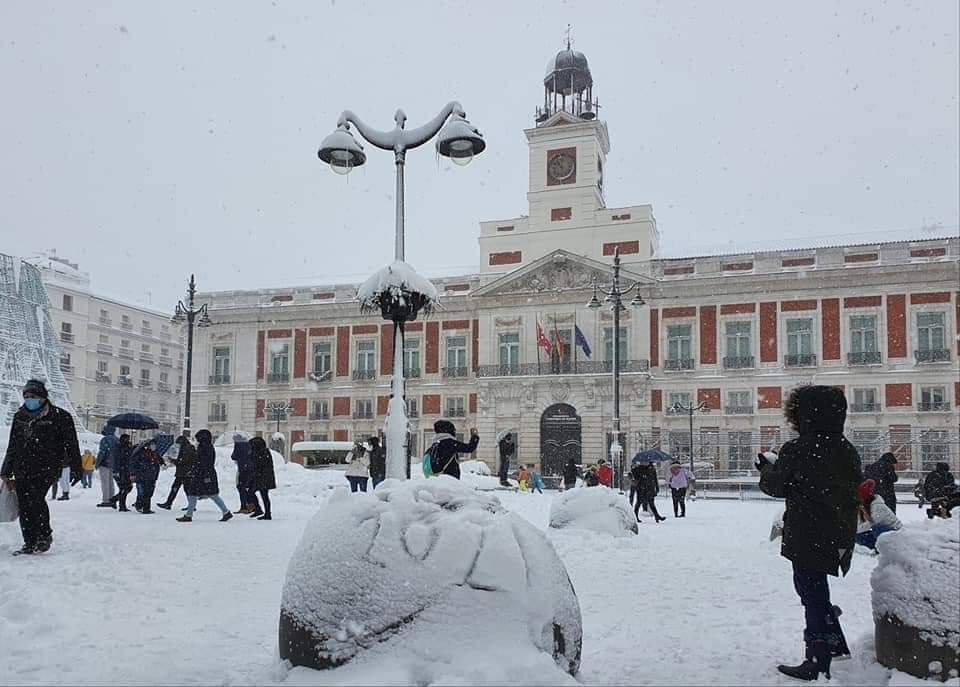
[9, 506]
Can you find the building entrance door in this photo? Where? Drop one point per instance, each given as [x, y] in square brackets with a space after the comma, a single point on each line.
[559, 438]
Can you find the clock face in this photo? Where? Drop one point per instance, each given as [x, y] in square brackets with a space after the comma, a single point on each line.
[561, 166]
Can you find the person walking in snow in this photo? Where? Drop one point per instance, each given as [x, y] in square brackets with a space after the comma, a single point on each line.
[88, 463]
[818, 474]
[536, 480]
[358, 467]
[678, 479]
[604, 473]
[106, 455]
[884, 475]
[445, 448]
[508, 449]
[144, 471]
[646, 487]
[873, 517]
[378, 462]
[571, 471]
[185, 462]
[202, 482]
[938, 483]
[121, 472]
[264, 478]
[523, 478]
[43, 440]
[243, 458]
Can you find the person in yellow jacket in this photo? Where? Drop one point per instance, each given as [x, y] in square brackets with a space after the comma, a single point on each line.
[88, 461]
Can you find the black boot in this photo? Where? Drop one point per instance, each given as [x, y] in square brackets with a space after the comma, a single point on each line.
[817, 661]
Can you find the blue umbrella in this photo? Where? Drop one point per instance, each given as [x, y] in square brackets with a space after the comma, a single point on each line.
[133, 421]
[651, 455]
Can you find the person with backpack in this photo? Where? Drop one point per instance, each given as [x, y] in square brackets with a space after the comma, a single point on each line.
[445, 448]
[590, 478]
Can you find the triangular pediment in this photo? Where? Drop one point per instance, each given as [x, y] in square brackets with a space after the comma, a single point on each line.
[557, 272]
[561, 118]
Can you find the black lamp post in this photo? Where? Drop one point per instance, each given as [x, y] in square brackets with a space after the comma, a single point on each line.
[614, 296]
[690, 409]
[193, 316]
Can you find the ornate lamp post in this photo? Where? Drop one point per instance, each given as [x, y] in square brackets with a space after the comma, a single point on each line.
[614, 296]
[193, 316]
[397, 291]
[279, 409]
[690, 409]
[84, 409]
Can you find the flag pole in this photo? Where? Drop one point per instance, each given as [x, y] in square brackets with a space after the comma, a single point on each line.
[537, 337]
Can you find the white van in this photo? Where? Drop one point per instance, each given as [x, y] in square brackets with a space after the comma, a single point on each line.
[323, 454]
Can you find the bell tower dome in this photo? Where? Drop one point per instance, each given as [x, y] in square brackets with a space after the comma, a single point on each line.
[568, 87]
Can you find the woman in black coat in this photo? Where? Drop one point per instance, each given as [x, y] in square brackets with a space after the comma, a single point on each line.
[646, 486]
[121, 472]
[264, 478]
[202, 482]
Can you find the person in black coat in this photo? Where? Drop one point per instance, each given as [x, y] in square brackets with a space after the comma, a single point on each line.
[378, 461]
[646, 486]
[938, 483]
[43, 441]
[818, 474]
[202, 482]
[571, 471]
[264, 478]
[243, 457]
[508, 450]
[121, 472]
[185, 461]
[445, 449]
[144, 471]
[884, 474]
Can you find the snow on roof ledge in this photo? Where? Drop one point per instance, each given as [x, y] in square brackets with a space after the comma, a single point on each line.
[396, 277]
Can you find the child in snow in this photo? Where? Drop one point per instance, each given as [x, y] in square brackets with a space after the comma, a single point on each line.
[87, 460]
[523, 478]
[590, 478]
[874, 516]
[536, 481]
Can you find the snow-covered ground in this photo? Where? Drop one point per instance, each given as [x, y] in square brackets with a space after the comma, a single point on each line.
[137, 599]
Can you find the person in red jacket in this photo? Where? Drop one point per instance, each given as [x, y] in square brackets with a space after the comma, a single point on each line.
[604, 473]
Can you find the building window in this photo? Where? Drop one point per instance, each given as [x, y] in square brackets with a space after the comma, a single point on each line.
[456, 357]
[218, 411]
[675, 398]
[934, 448]
[931, 337]
[104, 339]
[103, 367]
[509, 351]
[320, 410]
[933, 398]
[863, 341]
[739, 345]
[679, 347]
[413, 409]
[164, 377]
[455, 407]
[319, 436]
[739, 403]
[68, 302]
[145, 374]
[65, 366]
[124, 370]
[363, 409]
[125, 322]
[144, 348]
[104, 316]
[322, 360]
[608, 345]
[366, 367]
[800, 342]
[279, 363]
[740, 453]
[864, 401]
[411, 357]
[66, 332]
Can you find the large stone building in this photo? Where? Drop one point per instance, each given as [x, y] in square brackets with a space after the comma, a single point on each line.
[116, 357]
[731, 334]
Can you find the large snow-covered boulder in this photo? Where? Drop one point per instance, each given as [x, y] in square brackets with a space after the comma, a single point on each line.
[915, 602]
[431, 567]
[598, 509]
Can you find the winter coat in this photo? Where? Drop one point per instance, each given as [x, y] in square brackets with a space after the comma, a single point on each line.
[144, 465]
[590, 478]
[358, 464]
[938, 482]
[507, 449]
[444, 451]
[263, 475]
[883, 473]
[880, 516]
[680, 479]
[243, 456]
[536, 480]
[818, 474]
[645, 481]
[185, 461]
[378, 462]
[203, 478]
[570, 473]
[41, 444]
[121, 462]
[605, 475]
[88, 462]
[107, 452]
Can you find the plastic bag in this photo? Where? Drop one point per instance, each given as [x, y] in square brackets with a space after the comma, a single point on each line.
[9, 507]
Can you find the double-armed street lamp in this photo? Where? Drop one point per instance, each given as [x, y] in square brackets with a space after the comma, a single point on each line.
[458, 140]
[193, 316]
[689, 409]
[614, 294]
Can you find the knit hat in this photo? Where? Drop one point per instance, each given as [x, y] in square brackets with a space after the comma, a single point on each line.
[865, 490]
[36, 387]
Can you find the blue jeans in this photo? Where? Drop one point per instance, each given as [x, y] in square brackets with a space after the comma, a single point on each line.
[821, 619]
[869, 538]
[192, 503]
[357, 483]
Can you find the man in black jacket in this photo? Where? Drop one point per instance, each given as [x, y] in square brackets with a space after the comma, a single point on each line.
[818, 474]
[378, 461]
[507, 451]
[445, 449]
[884, 474]
[43, 441]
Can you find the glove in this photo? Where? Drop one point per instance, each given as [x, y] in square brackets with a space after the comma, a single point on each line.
[762, 462]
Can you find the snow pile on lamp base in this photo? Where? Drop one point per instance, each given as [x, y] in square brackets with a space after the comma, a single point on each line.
[431, 567]
[598, 509]
[915, 602]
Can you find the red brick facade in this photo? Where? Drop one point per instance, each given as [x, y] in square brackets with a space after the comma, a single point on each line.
[656, 400]
[768, 332]
[738, 308]
[797, 306]
[386, 349]
[343, 351]
[298, 407]
[300, 353]
[431, 404]
[863, 302]
[708, 334]
[898, 395]
[261, 355]
[341, 406]
[830, 328]
[626, 247]
[897, 326]
[769, 397]
[709, 397]
[688, 311]
[432, 357]
[654, 337]
[923, 298]
[512, 257]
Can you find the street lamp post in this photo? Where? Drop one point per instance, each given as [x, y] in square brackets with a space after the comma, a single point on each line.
[84, 410]
[193, 316]
[458, 140]
[690, 409]
[279, 410]
[614, 296]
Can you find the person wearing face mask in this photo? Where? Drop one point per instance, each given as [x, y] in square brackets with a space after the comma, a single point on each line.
[43, 440]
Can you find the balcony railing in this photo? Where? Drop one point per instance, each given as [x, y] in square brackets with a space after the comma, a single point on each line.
[456, 412]
[125, 353]
[106, 322]
[278, 378]
[364, 375]
[163, 386]
[145, 384]
[66, 369]
[219, 379]
[146, 357]
[67, 337]
[738, 362]
[933, 406]
[455, 371]
[678, 364]
[864, 407]
[124, 381]
[219, 417]
[932, 355]
[321, 375]
[581, 367]
[126, 326]
[101, 376]
[166, 361]
[320, 416]
[165, 336]
[738, 410]
[864, 358]
[800, 360]
[413, 412]
[106, 349]
[146, 331]
[363, 414]
[411, 373]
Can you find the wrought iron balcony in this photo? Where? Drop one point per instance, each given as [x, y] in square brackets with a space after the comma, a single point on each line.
[67, 337]
[101, 377]
[933, 406]
[104, 348]
[455, 371]
[106, 322]
[125, 353]
[800, 360]
[456, 412]
[166, 361]
[145, 384]
[413, 412]
[738, 410]
[66, 369]
[319, 415]
[678, 364]
[738, 362]
[932, 355]
[218, 417]
[864, 358]
[411, 373]
[163, 386]
[363, 414]
[321, 375]
[580, 367]
[219, 379]
[123, 380]
[364, 375]
[864, 407]
[278, 378]
[146, 356]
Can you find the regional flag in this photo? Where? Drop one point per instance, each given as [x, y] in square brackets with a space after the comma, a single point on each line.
[581, 341]
[542, 340]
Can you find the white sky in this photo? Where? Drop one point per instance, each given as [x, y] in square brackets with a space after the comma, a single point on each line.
[146, 140]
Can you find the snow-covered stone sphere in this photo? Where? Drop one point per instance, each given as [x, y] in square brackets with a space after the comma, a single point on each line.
[598, 509]
[430, 564]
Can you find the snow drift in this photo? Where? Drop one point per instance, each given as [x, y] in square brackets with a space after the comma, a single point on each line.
[431, 564]
[598, 509]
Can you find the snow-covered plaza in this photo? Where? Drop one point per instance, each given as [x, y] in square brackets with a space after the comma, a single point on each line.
[124, 598]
